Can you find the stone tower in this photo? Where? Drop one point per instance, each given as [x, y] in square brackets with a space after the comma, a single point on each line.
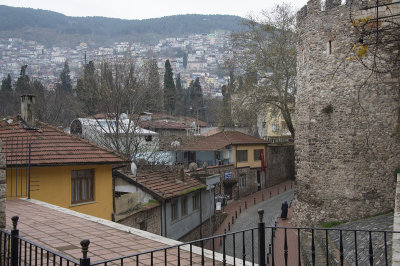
[347, 138]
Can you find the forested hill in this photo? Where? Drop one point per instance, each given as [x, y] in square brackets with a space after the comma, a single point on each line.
[52, 28]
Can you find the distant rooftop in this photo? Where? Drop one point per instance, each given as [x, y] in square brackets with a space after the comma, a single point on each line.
[220, 140]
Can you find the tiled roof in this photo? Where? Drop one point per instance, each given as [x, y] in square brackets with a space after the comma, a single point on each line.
[165, 183]
[50, 146]
[220, 140]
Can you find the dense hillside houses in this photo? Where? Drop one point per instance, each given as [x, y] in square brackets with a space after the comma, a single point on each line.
[200, 56]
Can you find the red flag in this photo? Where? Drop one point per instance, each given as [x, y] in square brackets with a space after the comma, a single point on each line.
[262, 160]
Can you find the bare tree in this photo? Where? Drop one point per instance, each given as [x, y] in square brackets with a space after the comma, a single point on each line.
[267, 49]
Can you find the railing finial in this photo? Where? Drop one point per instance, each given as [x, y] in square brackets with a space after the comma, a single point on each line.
[261, 215]
[85, 247]
[15, 222]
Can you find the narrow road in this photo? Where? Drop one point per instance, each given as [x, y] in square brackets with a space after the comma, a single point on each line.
[249, 219]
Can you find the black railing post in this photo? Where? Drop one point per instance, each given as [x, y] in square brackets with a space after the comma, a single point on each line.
[14, 241]
[29, 171]
[261, 238]
[85, 261]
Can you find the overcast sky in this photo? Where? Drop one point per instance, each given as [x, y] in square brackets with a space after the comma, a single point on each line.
[141, 9]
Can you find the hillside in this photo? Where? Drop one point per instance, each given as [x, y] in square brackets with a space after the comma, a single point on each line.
[52, 28]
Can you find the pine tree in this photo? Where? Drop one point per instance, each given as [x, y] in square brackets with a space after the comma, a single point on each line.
[196, 98]
[169, 89]
[6, 84]
[65, 78]
[153, 92]
[22, 86]
[180, 106]
[87, 89]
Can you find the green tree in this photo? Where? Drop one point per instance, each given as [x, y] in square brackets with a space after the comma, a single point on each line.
[268, 50]
[66, 83]
[169, 89]
[87, 89]
[181, 97]
[22, 86]
[6, 84]
[196, 99]
[153, 92]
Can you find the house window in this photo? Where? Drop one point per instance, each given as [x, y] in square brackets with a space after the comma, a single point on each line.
[257, 155]
[242, 180]
[196, 201]
[82, 185]
[241, 156]
[274, 128]
[148, 138]
[174, 210]
[184, 206]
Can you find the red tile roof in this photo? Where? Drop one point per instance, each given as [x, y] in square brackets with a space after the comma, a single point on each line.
[50, 146]
[165, 183]
[220, 140]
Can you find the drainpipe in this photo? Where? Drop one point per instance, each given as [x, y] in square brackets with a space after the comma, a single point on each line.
[113, 192]
[201, 215]
[165, 218]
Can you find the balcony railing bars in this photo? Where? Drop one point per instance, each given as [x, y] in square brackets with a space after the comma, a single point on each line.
[261, 245]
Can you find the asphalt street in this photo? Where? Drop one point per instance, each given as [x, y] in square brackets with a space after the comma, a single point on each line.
[248, 220]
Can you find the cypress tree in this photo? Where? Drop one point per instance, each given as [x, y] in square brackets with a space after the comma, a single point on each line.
[6, 84]
[169, 89]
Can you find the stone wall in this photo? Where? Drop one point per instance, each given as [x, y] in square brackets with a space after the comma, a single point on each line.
[2, 189]
[146, 219]
[346, 146]
[279, 163]
[216, 220]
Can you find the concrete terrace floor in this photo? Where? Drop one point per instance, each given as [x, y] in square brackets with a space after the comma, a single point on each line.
[62, 230]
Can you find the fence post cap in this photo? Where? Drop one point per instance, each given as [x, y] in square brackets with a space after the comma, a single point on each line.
[14, 220]
[85, 247]
[261, 215]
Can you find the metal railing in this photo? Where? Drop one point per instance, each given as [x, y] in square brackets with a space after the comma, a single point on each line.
[16, 251]
[261, 245]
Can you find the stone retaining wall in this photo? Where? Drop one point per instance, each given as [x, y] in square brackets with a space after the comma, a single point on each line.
[346, 144]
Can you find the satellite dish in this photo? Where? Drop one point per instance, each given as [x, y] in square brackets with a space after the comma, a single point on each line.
[193, 167]
[205, 165]
[134, 169]
[175, 144]
[123, 116]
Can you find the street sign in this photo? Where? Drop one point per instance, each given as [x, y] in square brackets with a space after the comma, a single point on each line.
[228, 175]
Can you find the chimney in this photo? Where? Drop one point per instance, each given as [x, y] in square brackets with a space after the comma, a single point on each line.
[181, 173]
[27, 110]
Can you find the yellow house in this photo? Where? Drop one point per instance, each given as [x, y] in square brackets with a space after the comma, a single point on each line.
[275, 126]
[47, 164]
[244, 154]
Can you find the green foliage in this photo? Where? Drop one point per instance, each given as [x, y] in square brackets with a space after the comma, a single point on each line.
[65, 78]
[53, 28]
[181, 97]
[87, 89]
[332, 224]
[153, 92]
[6, 84]
[22, 86]
[169, 89]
